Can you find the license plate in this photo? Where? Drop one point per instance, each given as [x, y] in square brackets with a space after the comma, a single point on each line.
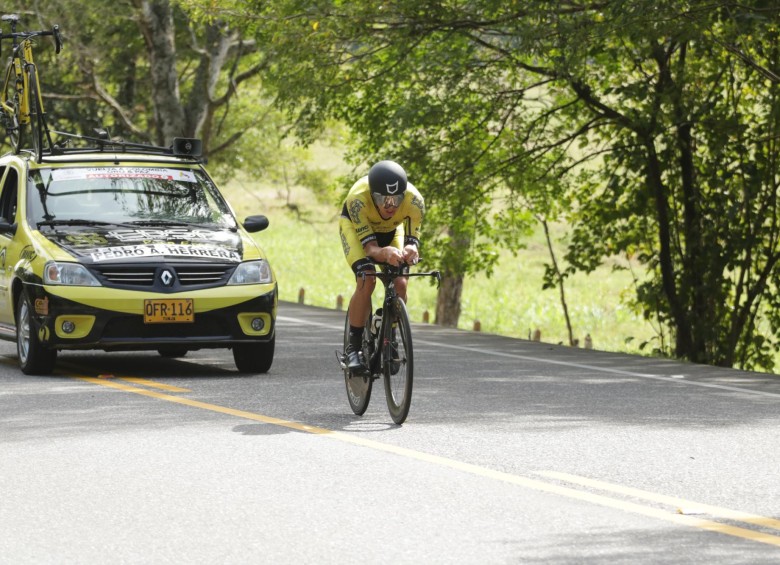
[166, 311]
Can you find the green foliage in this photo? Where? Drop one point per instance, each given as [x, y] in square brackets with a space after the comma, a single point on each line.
[306, 254]
[689, 184]
[650, 126]
[407, 91]
[102, 79]
[650, 123]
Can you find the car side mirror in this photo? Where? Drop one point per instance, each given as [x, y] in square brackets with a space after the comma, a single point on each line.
[254, 224]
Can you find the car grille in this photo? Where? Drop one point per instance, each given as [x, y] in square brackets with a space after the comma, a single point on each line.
[148, 276]
[132, 328]
[129, 276]
[202, 274]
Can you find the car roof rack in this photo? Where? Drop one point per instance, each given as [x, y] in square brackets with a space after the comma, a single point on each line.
[184, 147]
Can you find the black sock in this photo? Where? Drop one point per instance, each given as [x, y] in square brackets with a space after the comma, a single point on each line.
[356, 337]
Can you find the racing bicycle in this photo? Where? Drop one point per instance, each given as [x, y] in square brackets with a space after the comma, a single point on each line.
[387, 349]
[20, 99]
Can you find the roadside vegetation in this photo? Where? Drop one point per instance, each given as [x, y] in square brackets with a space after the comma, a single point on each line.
[305, 254]
[639, 134]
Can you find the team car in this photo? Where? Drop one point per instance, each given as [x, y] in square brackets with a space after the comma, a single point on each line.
[129, 247]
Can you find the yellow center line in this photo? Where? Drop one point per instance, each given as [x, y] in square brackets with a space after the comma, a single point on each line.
[681, 503]
[153, 384]
[201, 405]
[518, 480]
[134, 380]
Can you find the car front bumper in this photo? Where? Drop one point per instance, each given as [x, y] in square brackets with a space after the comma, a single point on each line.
[112, 319]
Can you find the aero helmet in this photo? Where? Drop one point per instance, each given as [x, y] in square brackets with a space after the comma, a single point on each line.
[387, 177]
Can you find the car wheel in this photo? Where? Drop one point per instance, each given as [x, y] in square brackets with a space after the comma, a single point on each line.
[254, 357]
[34, 357]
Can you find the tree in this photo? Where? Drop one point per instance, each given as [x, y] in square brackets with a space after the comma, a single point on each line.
[683, 103]
[349, 62]
[654, 123]
[142, 69]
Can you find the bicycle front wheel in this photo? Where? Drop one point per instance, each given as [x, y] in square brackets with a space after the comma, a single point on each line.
[398, 364]
[358, 386]
[37, 123]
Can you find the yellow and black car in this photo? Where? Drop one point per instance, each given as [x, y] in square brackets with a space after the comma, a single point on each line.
[129, 247]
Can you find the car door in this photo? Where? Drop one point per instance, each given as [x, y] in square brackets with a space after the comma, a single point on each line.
[9, 192]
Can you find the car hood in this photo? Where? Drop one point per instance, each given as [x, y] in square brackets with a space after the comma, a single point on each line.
[99, 244]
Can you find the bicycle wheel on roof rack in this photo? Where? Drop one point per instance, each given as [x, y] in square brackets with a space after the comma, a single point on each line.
[12, 119]
[37, 121]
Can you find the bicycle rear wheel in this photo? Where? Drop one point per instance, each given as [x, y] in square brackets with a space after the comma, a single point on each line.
[398, 364]
[37, 122]
[12, 120]
[358, 386]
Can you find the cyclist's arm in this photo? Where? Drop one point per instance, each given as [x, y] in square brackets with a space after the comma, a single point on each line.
[389, 255]
[414, 225]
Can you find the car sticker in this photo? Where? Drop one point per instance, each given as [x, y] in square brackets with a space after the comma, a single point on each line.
[85, 239]
[161, 249]
[168, 233]
[124, 173]
[28, 253]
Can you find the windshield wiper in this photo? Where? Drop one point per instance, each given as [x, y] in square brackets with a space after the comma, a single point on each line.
[76, 222]
[162, 223]
[177, 223]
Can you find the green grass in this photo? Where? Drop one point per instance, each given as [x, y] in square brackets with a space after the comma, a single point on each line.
[306, 254]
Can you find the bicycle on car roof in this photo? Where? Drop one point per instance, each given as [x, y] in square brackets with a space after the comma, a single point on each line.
[21, 103]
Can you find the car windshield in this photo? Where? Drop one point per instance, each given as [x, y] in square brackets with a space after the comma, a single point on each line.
[125, 195]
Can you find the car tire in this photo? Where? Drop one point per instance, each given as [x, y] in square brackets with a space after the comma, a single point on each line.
[34, 357]
[254, 357]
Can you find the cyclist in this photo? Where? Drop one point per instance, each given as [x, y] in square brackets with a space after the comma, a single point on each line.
[380, 223]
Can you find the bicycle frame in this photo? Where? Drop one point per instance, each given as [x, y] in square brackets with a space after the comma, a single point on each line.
[381, 342]
[380, 349]
[384, 354]
[22, 83]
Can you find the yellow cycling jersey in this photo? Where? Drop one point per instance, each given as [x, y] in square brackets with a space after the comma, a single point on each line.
[360, 210]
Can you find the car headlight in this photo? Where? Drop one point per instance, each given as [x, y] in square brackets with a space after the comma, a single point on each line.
[252, 272]
[71, 274]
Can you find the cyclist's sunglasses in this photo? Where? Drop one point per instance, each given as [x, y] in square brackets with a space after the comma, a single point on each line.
[387, 200]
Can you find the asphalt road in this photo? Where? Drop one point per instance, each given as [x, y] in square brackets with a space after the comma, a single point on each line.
[514, 452]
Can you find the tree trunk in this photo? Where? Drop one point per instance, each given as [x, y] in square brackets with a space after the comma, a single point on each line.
[559, 279]
[448, 299]
[157, 27]
[215, 53]
[684, 343]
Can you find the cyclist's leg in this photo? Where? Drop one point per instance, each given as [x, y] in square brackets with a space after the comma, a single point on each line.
[358, 315]
[400, 287]
[360, 302]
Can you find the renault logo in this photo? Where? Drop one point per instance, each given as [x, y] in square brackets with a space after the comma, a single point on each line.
[166, 277]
